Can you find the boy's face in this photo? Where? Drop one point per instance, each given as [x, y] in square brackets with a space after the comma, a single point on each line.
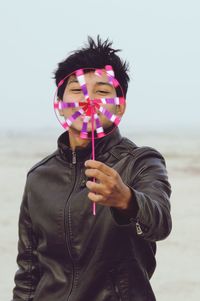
[97, 87]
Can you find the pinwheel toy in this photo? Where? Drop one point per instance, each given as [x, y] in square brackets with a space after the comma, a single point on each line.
[88, 110]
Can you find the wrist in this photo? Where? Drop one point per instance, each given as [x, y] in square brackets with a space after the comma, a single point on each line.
[130, 207]
[127, 200]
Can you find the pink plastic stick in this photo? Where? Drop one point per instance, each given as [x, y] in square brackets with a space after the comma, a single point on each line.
[93, 153]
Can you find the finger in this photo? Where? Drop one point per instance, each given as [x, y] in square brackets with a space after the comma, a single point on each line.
[97, 198]
[95, 187]
[100, 166]
[97, 174]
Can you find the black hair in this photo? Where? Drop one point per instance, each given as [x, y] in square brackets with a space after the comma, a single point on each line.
[93, 55]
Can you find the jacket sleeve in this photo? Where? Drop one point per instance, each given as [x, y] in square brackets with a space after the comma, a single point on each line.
[27, 276]
[150, 211]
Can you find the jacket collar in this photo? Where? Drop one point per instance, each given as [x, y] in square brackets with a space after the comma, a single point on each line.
[102, 145]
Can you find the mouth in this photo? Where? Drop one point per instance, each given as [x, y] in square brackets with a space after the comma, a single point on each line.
[82, 117]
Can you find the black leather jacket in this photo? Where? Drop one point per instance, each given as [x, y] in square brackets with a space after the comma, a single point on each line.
[66, 253]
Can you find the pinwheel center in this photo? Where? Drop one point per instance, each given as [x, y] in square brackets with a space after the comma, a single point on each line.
[91, 105]
[90, 102]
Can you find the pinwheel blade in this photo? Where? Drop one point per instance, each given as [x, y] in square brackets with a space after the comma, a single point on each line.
[113, 101]
[112, 117]
[110, 73]
[73, 117]
[99, 128]
[81, 79]
[84, 131]
[60, 105]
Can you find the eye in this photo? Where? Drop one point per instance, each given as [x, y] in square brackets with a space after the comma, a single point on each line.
[102, 92]
[76, 91]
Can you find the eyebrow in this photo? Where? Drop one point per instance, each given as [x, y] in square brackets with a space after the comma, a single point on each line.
[72, 81]
[97, 83]
[104, 83]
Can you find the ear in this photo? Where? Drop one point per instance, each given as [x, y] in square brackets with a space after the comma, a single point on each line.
[60, 110]
[121, 109]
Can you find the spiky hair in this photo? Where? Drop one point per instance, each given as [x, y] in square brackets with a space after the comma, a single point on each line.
[93, 55]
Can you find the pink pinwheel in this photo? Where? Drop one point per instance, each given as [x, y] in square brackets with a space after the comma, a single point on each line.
[90, 109]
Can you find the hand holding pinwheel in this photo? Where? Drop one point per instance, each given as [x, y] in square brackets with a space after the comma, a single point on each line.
[96, 114]
[110, 189]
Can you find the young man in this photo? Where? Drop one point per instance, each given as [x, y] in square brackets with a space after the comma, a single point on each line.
[67, 253]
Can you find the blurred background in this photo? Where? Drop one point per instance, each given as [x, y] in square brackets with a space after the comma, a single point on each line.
[160, 40]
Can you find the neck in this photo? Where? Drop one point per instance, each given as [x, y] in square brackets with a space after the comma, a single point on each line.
[75, 140]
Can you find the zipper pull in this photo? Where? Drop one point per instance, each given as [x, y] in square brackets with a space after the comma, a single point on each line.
[138, 229]
[73, 157]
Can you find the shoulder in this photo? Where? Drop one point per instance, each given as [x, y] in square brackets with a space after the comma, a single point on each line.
[126, 147]
[42, 162]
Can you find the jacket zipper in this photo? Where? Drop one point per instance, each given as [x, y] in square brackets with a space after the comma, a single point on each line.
[138, 228]
[114, 285]
[73, 157]
[117, 292]
[74, 271]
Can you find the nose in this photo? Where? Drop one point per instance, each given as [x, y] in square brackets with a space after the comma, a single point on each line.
[91, 94]
[87, 94]
[89, 91]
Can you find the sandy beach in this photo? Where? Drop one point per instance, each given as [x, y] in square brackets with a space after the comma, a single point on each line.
[177, 277]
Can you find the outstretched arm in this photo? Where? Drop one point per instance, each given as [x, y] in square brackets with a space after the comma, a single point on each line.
[142, 202]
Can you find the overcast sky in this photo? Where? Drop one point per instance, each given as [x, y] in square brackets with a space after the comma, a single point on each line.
[160, 40]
